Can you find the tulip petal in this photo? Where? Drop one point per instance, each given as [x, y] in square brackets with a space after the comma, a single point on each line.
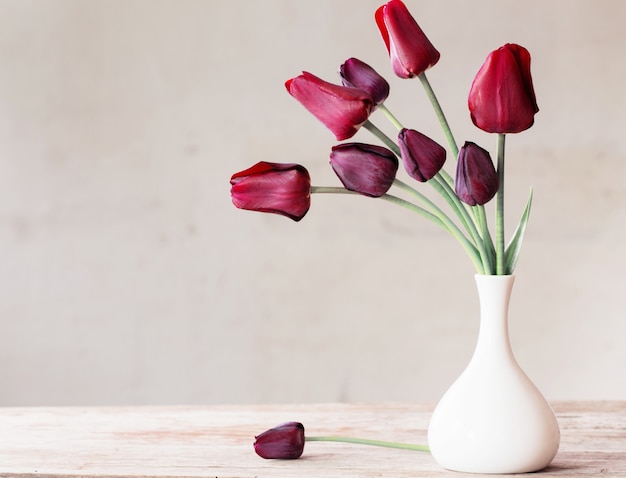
[422, 157]
[502, 98]
[341, 109]
[285, 442]
[476, 180]
[357, 74]
[409, 49]
[364, 168]
[274, 188]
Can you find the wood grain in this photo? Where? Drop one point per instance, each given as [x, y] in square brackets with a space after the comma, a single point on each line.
[217, 441]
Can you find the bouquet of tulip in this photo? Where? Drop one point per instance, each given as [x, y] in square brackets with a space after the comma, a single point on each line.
[501, 100]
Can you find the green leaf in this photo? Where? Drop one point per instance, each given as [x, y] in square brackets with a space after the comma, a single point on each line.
[514, 247]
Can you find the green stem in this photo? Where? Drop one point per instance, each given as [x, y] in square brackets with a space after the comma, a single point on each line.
[391, 144]
[486, 236]
[444, 188]
[476, 211]
[414, 208]
[436, 216]
[387, 197]
[447, 178]
[364, 441]
[450, 226]
[390, 116]
[470, 224]
[500, 208]
[440, 115]
[331, 190]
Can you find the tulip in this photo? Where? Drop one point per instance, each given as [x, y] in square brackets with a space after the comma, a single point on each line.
[272, 187]
[502, 97]
[476, 179]
[285, 441]
[422, 157]
[410, 50]
[357, 74]
[364, 168]
[341, 109]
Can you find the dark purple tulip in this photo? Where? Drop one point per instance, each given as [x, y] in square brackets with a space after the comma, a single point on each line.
[476, 179]
[364, 168]
[341, 109]
[273, 187]
[502, 97]
[357, 74]
[410, 50]
[422, 157]
[285, 442]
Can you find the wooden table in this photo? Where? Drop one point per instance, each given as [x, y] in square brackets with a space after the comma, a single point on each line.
[216, 441]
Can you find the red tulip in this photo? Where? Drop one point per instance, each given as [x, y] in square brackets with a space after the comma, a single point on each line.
[341, 109]
[285, 441]
[357, 74]
[272, 187]
[422, 157]
[502, 97]
[410, 51]
[476, 179]
[364, 168]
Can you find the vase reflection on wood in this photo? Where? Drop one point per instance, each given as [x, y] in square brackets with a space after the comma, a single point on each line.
[493, 419]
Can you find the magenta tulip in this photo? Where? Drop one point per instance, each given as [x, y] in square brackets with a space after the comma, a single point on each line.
[341, 109]
[422, 157]
[410, 50]
[476, 179]
[285, 441]
[502, 97]
[364, 168]
[357, 74]
[273, 187]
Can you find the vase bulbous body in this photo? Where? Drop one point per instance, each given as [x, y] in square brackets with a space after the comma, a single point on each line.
[493, 419]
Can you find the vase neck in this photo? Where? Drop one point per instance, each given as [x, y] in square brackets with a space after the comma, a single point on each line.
[494, 293]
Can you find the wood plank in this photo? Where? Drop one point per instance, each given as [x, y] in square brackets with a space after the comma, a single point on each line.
[217, 441]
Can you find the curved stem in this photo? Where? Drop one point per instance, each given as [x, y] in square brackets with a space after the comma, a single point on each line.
[447, 178]
[414, 208]
[390, 116]
[460, 209]
[391, 144]
[436, 216]
[486, 235]
[364, 441]
[475, 220]
[387, 197]
[500, 208]
[440, 115]
[331, 190]
[450, 226]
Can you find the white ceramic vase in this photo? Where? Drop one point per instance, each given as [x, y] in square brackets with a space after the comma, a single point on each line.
[493, 419]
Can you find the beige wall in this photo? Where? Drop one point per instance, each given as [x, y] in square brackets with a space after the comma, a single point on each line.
[127, 277]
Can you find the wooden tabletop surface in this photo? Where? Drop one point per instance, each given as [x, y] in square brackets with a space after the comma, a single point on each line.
[216, 441]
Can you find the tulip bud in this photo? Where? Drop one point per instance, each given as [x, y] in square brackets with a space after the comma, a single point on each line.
[357, 74]
[364, 168]
[272, 187]
[502, 97]
[410, 50]
[476, 179]
[422, 157]
[341, 109]
[285, 441]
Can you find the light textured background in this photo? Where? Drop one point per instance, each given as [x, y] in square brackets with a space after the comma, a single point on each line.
[127, 277]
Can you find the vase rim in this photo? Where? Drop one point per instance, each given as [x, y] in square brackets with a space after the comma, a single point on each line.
[494, 278]
[494, 275]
